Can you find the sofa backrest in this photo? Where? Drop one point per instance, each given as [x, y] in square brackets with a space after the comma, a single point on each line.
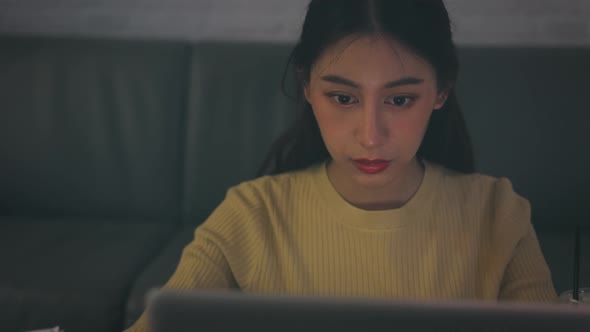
[91, 128]
[526, 110]
[160, 130]
[236, 109]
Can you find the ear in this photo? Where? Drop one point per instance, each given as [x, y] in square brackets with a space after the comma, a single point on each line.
[441, 99]
[306, 92]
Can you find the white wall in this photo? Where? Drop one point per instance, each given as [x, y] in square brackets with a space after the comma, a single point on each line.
[544, 22]
[506, 22]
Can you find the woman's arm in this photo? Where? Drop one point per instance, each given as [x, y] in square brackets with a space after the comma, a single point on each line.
[224, 251]
[527, 277]
[202, 266]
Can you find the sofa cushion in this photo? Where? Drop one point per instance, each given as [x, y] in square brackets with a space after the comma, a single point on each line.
[236, 109]
[91, 128]
[72, 273]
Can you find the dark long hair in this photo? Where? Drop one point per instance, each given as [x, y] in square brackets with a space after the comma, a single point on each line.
[420, 25]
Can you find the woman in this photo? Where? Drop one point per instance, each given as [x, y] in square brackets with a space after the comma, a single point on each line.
[373, 191]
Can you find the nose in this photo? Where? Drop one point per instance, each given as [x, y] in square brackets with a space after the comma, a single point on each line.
[371, 130]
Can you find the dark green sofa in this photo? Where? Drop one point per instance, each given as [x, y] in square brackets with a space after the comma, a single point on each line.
[113, 151]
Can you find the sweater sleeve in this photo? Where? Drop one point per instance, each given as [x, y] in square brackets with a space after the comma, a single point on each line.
[526, 277]
[202, 265]
[221, 254]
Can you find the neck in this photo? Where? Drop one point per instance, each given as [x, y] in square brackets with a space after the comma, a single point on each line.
[401, 186]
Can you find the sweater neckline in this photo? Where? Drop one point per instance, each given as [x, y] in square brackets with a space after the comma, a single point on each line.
[350, 215]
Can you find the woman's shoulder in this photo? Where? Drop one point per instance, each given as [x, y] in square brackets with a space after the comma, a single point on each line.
[491, 195]
[249, 208]
[475, 184]
[273, 188]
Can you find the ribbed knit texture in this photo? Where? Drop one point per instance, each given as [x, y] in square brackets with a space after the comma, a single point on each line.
[459, 237]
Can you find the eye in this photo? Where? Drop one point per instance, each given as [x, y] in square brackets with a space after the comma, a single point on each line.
[400, 100]
[343, 99]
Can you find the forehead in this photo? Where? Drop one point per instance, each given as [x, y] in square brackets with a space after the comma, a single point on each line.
[371, 59]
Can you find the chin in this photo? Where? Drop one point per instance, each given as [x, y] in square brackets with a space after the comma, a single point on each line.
[374, 181]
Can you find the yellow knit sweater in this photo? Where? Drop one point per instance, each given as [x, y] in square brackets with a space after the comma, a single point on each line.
[459, 237]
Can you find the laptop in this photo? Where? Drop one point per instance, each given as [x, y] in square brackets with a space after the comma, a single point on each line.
[220, 311]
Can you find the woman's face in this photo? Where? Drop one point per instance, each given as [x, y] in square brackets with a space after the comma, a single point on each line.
[372, 99]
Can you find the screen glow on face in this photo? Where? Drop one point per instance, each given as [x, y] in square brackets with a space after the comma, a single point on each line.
[372, 98]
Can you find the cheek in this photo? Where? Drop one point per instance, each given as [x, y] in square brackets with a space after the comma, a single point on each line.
[333, 123]
[410, 127]
[325, 114]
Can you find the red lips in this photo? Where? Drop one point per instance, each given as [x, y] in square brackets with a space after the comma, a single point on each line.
[371, 166]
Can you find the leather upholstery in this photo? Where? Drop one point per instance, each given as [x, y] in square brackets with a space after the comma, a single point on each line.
[111, 152]
[91, 128]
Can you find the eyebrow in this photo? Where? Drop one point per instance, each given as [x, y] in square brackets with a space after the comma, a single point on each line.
[344, 81]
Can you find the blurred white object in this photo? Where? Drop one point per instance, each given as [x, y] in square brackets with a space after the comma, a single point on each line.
[583, 296]
[54, 329]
